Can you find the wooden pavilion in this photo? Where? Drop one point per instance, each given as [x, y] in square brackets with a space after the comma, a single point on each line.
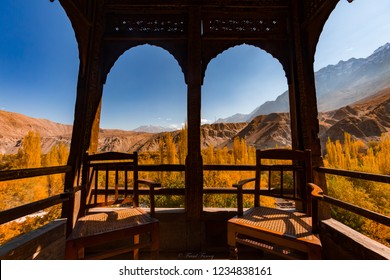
[194, 32]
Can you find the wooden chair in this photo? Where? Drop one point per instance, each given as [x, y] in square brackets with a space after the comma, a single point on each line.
[290, 233]
[109, 210]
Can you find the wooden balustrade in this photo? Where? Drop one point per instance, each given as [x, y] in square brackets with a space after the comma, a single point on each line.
[17, 212]
[26, 209]
[379, 218]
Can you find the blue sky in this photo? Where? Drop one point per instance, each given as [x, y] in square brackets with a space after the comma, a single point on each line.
[39, 68]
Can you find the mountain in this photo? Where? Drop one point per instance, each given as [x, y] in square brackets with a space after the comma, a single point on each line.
[267, 131]
[352, 80]
[220, 134]
[279, 105]
[358, 90]
[153, 129]
[366, 120]
[337, 85]
[14, 126]
[237, 118]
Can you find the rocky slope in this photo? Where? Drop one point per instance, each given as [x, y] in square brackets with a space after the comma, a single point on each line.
[366, 119]
[14, 126]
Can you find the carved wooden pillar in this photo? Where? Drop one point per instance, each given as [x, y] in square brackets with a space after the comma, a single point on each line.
[303, 86]
[295, 139]
[194, 165]
[305, 92]
[87, 108]
[93, 143]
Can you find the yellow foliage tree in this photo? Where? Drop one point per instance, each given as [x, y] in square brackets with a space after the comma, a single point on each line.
[355, 155]
[170, 148]
[29, 155]
[182, 144]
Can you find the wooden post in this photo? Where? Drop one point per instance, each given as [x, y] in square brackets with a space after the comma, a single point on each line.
[303, 85]
[194, 165]
[87, 108]
[93, 142]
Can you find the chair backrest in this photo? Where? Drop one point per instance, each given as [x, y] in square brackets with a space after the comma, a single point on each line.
[284, 174]
[110, 178]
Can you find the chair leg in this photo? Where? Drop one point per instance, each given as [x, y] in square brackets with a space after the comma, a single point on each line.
[315, 253]
[233, 253]
[231, 240]
[73, 252]
[136, 251]
[155, 240]
[70, 251]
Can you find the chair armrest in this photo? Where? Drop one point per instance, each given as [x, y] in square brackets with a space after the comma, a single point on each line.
[152, 186]
[149, 183]
[240, 201]
[241, 183]
[316, 194]
[316, 191]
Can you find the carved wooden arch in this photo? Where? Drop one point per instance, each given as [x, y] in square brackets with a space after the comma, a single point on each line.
[82, 25]
[278, 50]
[114, 50]
[316, 20]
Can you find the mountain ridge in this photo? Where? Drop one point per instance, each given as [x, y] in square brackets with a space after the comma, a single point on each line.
[365, 116]
[367, 120]
[336, 85]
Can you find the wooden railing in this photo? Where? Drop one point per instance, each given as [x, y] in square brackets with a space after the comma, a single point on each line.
[356, 174]
[26, 209]
[379, 218]
[20, 211]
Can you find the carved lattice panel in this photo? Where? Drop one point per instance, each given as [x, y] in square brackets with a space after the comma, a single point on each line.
[146, 26]
[248, 3]
[241, 26]
[214, 25]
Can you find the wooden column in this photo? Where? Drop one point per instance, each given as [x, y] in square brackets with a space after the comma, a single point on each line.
[305, 93]
[194, 165]
[87, 108]
[93, 143]
[295, 139]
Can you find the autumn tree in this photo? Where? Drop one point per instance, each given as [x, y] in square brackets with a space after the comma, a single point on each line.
[29, 155]
[170, 148]
[182, 144]
[355, 155]
[57, 156]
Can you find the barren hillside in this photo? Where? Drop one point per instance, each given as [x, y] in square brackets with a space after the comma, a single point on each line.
[367, 120]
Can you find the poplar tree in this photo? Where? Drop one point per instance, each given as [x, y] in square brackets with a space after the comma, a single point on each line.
[171, 148]
[29, 155]
[182, 144]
